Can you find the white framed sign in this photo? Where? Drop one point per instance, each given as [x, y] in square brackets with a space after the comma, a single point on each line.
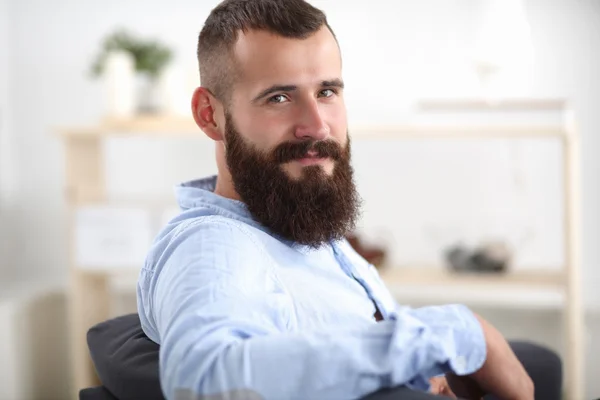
[112, 237]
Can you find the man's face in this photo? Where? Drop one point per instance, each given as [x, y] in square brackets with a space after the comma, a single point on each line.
[287, 147]
[289, 90]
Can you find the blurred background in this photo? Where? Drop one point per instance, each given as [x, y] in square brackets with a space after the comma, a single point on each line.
[95, 131]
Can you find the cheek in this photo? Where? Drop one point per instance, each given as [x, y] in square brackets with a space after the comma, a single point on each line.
[273, 129]
[263, 131]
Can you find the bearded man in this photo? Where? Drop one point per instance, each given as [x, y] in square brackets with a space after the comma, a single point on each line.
[252, 292]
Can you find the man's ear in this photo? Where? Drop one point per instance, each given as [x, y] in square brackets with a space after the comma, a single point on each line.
[203, 109]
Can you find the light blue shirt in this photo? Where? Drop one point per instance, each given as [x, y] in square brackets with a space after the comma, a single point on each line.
[240, 313]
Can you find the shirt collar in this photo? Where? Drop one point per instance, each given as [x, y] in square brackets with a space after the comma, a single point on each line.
[201, 193]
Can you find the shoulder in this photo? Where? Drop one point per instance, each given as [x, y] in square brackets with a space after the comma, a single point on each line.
[211, 256]
[205, 252]
[215, 240]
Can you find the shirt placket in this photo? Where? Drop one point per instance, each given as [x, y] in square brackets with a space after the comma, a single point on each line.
[350, 270]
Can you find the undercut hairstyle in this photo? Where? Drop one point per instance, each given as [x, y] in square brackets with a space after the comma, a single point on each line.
[295, 19]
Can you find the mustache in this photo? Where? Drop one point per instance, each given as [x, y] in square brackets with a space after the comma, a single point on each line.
[290, 151]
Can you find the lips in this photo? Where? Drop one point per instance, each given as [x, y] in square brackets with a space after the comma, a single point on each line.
[311, 160]
[311, 157]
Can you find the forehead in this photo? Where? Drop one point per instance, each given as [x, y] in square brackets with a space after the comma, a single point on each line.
[264, 58]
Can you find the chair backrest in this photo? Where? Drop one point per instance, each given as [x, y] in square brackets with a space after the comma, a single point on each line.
[125, 359]
[96, 393]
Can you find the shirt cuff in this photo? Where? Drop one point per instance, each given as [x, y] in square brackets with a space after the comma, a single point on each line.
[471, 348]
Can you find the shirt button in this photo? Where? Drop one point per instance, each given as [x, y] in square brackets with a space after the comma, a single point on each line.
[461, 363]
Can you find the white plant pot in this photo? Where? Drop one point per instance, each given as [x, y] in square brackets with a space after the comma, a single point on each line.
[148, 95]
[119, 84]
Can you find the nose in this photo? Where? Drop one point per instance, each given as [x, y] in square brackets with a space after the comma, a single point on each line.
[312, 126]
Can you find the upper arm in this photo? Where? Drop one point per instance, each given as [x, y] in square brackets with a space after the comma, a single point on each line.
[212, 269]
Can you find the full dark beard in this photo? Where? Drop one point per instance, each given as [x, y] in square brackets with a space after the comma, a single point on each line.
[311, 210]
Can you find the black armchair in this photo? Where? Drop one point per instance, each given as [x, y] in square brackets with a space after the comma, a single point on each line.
[126, 361]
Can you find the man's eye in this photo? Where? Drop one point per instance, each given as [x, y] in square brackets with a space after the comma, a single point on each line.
[327, 92]
[279, 98]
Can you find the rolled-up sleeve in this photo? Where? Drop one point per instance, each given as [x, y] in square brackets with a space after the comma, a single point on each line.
[224, 332]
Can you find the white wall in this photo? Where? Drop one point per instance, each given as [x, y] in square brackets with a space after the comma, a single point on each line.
[7, 167]
[418, 53]
[394, 53]
[567, 37]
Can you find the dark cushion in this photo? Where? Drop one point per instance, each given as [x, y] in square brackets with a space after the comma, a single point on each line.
[96, 393]
[127, 364]
[125, 358]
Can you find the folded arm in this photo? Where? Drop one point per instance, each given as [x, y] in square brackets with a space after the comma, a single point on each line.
[225, 334]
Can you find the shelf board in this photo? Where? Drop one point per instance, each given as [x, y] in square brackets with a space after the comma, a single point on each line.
[539, 298]
[153, 124]
[142, 125]
[540, 290]
[93, 196]
[440, 276]
[455, 131]
[478, 104]
[179, 126]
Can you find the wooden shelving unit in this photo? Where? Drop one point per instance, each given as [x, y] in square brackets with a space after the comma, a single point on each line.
[90, 289]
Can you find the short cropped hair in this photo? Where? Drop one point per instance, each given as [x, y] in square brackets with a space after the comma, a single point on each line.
[289, 18]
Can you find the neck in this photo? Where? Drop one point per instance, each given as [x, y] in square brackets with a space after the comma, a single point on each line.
[224, 187]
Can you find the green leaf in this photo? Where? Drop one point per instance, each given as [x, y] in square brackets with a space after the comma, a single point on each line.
[150, 56]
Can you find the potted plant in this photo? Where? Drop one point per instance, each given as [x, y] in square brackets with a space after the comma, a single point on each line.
[150, 57]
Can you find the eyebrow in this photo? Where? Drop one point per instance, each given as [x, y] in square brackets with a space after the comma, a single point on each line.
[337, 83]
